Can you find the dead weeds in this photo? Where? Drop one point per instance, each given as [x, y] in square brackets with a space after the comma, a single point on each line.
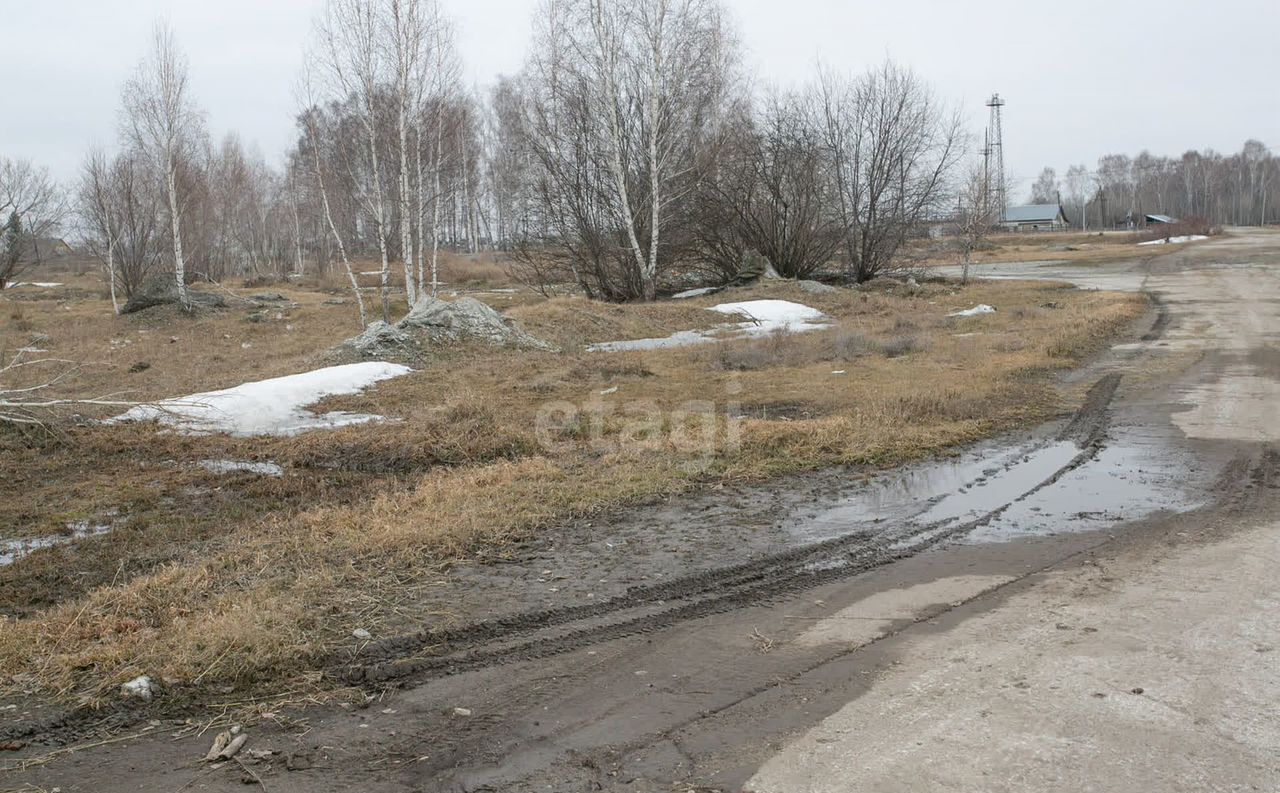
[251, 582]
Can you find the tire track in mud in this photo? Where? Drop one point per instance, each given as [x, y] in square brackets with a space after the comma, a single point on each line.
[644, 609]
[761, 580]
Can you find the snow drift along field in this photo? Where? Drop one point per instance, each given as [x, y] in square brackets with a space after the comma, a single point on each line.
[762, 318]
[1176, 240]
[269, 407]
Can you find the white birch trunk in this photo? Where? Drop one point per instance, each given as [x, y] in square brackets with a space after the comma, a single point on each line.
[380, 220]
[609, 75]
[435, 221]
[655, 176]
[333, 228]
[420, 210]
[406, 231]
[175, 217]
[111, 267]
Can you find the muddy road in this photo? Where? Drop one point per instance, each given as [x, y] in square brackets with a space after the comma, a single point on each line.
[1092, 605]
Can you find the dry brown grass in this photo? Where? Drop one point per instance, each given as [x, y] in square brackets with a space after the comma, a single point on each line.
[1069, 246]
[248, 580]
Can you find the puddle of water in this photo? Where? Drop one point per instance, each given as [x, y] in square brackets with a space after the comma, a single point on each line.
[13, 550]
[1124, 482]
[943, 490]
[992, 492]
[1130, 478]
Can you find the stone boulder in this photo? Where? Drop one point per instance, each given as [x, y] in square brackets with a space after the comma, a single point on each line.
[434, 322]
[465, 319]
[816, 287]
[380, 340]
[754, 267]
[162, 291]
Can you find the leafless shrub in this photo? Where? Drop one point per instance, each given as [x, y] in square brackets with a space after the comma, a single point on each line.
[777, 349]
[901, 345]
[892, 148]
[848, 345]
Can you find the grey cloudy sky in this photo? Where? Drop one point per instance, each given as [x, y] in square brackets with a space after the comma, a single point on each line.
[1082, 77]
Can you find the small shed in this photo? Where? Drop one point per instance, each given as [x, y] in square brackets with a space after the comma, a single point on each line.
[1034, 217]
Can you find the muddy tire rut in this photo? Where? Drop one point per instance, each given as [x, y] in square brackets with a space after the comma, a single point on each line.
[539, 634]
[536, 634]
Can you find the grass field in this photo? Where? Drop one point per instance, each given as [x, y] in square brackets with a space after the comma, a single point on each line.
[1067, 246]
[249, 581]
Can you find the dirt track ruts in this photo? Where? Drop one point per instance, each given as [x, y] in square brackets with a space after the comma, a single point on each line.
[639, 610]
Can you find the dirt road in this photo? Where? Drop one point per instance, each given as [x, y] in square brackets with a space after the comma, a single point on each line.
[1088, 607]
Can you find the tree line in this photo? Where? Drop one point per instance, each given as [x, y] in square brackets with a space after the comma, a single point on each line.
[630, 144]
[1219, 189]
[629, 149]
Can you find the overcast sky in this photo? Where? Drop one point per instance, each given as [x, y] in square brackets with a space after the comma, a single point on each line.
[1081, 78]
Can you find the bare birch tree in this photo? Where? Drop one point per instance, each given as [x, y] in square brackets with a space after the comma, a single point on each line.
[409, 24]
[975, 218]
[353, 60]
[31, 208]
[122, 211]
[441, 85]
[161, 120]
[98, 212]
[621, 100]
[309, 122]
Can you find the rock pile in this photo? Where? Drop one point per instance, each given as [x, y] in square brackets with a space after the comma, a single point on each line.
[434, 322]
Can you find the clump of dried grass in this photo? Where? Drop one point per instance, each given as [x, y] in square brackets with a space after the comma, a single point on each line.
[271, 576]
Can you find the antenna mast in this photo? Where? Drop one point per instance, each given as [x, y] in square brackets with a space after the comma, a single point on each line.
[995, 145]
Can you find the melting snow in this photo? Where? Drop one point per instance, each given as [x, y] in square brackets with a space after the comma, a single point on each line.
[1175, 240]
[140, 687]
[981, 308]
[763, 317]
[241, 466]
[36, 284]
[269, 407]
[705, 290]
[13, 550]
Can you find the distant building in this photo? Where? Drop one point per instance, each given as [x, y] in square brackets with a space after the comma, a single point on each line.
[1156, 219]
[1034, 217]
[53, 246]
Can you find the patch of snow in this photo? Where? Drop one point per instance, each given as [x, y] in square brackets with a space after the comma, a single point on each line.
[1176, 240]
[269, 407]
[981, 308]
[767, 316]
[705, 290]
[763, 318]
[371, 272]
[13, 550]
[140, 687]
[241, 466]
[36, 284]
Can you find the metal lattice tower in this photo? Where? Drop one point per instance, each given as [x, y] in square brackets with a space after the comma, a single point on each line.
[995, 145]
